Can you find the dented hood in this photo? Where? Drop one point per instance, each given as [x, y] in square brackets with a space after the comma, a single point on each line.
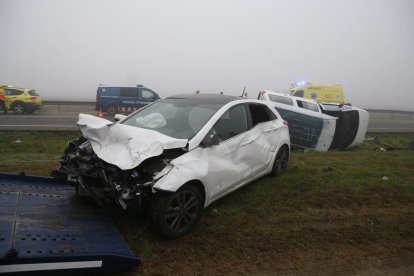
[124, 146]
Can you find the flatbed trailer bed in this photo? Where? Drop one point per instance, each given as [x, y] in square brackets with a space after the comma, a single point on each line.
[46, 228]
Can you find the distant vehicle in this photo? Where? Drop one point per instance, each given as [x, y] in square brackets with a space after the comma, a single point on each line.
[319, 126]
[22, 100]
[330, 93]
[174, 157]
[115, 99]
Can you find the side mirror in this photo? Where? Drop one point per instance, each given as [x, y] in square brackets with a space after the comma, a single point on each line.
[211, 139]
[119, 117]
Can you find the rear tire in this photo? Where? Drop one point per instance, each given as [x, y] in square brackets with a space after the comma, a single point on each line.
[175, 214]
[281, 161]
[18, 108]
[111, 110]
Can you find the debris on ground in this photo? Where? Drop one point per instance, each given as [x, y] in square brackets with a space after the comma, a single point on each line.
[384, 147]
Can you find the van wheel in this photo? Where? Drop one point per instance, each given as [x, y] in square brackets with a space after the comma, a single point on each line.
[281, 161]
[176, 214]
[18, 108]
[111, 110]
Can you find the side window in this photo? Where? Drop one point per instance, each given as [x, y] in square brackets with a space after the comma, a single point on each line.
[232, 123]
[298, 93]
[148, 95]
[260, 113]
[281, 99]
[12, 92]
[308, 106]
[129, 92]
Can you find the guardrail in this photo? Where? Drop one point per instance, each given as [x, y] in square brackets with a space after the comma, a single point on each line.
[67, 103]
[390, 111]
[68, 106]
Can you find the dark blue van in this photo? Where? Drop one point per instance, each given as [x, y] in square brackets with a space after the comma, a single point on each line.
[117, 99]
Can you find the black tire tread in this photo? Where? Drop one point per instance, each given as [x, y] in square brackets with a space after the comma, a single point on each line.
[158, 205]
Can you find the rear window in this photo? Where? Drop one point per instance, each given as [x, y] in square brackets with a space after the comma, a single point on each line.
[281, 99]
[33, 93]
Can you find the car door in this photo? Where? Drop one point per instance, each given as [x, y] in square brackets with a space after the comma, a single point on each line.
[264, 136]
[229, 162]
[128, 97]
[12, 95]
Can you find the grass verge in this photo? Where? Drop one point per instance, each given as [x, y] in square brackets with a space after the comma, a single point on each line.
[328, 205]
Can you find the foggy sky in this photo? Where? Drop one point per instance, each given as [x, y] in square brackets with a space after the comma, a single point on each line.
[65, 49]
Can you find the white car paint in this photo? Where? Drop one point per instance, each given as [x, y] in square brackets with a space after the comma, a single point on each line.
[363, 123]
[220, 168]
[123, 145]
[329, 122]
[230, 165]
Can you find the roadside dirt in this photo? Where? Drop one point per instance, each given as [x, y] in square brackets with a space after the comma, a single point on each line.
[383, 258]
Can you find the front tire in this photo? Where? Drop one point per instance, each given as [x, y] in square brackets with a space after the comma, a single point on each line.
[281, 161]
[176, 214]
[111, 110]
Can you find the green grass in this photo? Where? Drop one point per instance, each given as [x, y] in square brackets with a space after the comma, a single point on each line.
[308, 208]
[35, 153]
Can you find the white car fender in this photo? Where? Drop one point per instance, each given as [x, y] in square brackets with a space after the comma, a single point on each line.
[187, 167]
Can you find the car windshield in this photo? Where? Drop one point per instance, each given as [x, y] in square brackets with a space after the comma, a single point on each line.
[176, 117]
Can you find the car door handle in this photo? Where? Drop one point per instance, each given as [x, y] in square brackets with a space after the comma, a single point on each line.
[246, 143]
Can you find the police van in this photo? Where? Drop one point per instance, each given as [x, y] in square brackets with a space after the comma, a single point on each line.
[116, 99]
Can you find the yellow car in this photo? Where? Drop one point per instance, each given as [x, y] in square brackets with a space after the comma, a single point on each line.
[21, 100]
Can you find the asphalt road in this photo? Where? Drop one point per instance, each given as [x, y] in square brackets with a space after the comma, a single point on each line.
[391, 125]
[38, 122]
[67, 121]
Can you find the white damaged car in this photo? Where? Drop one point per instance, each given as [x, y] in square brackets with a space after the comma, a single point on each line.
[176, 156]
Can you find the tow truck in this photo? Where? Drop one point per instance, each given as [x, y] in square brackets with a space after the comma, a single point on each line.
[46, 229]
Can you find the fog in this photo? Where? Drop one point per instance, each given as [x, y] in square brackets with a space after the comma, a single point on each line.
[65, 49]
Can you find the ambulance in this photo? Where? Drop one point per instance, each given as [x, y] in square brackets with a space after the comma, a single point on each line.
[328, 93]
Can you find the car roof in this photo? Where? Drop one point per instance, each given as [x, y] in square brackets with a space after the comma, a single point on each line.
[207, 98]
[17, 88]
[114, 86]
